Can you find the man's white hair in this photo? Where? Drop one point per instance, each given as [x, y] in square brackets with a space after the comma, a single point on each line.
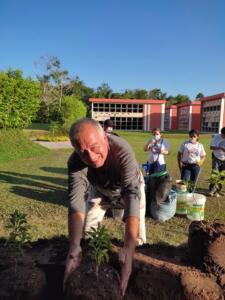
[76, 127]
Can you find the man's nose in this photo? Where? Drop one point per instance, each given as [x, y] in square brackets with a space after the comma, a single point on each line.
[91, 155]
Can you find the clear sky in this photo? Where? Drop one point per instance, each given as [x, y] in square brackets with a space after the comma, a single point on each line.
[175, 45]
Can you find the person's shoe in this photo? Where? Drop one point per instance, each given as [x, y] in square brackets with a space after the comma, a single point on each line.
[211, 194]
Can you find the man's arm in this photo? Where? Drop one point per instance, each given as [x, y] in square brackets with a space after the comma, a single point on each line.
[127, 252]
[75, 227]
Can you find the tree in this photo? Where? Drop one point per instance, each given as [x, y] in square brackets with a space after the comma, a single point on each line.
[52, 83]
[19, 99]
[140, 94]
[199, 95]
[72, 110]
[103, 91]
[157, 94]
[181, 99]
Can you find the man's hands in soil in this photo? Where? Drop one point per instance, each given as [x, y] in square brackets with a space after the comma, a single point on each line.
[72, 262]
[125, 258]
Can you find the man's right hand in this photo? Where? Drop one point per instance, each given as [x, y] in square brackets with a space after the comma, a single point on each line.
[72, 262]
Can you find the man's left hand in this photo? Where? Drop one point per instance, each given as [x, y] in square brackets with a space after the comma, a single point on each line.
[126, 259]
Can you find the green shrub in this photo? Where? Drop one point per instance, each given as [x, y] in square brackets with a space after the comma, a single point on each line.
[50, 138]
[19, 99]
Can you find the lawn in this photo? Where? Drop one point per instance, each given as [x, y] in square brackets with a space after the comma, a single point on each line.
[37, 186]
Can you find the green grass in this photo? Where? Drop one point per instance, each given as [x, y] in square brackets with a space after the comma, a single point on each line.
[14, 144]
[37, 186]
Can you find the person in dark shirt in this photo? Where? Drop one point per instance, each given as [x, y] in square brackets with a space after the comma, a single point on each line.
[103, 170]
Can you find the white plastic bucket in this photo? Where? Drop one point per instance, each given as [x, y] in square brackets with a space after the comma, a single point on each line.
[196, 207]
[183, 199]
[180, 186]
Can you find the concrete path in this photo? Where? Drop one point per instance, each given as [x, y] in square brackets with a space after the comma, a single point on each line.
[55, 145]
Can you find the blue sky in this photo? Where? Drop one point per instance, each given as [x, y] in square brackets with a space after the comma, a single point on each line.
[175, 45]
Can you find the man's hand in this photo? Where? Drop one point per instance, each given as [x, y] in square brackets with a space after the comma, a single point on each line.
[125, 258]
[72, 262]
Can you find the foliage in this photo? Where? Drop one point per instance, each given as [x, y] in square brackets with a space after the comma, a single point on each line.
[189, 184]
[49, 138]
[19, 99]
[217, 177]
[14, 144]
[19, 231]
[72, 110]
[100, 243]
[199, 95]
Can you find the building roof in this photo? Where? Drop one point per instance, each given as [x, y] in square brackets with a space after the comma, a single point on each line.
[127, 101]
[213, 97]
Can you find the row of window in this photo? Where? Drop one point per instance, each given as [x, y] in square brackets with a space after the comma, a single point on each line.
[210, 126]
[112, 107]
[128, 123]
[212, 108]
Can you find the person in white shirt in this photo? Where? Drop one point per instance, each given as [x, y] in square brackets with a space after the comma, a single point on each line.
[218, 159]
[158, 147]
[190, 157]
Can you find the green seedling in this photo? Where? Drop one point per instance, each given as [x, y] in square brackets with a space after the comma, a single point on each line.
[217, 178]
[100, 244]
[18, 228]
[189, 184]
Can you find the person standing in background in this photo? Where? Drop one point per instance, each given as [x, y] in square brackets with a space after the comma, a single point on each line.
[190, 157]
[157, 147]
[218, 160]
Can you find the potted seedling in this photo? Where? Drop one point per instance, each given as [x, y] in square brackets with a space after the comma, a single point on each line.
[181, 185]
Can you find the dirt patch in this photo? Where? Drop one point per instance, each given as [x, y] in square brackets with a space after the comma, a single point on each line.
[159, 272]
[85, 284]
[207, 246]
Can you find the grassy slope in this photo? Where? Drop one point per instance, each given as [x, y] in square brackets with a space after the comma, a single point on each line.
[37, 186]
[14, 144]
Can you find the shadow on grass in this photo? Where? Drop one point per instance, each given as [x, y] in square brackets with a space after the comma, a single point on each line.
[41, 188]
[54, 170]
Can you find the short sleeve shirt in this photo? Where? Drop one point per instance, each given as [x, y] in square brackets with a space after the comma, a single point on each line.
[218, 141]
[191, 153]
[154, 152]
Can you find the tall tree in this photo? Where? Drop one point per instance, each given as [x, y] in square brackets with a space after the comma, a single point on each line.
[103, 91]
[199, 95]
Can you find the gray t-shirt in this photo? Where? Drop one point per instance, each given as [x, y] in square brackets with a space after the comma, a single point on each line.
[118, 180]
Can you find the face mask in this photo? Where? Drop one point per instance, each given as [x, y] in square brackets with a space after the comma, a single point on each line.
[193, 140]
[157, 137]
[109, 129]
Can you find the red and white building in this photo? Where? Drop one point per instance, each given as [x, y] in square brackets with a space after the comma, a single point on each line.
[129, 114]
[189, 116]
[170, 120]
[212, 113]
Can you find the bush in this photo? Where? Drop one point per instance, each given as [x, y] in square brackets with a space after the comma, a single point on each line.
[72, 110]
[19, 99]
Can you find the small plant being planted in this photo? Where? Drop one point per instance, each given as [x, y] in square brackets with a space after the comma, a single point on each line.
[95, 278]
[100, 244]
[216, 180]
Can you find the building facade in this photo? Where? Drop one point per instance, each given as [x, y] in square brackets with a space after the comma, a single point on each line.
[212, 113]
[129, 114]
[170, 120]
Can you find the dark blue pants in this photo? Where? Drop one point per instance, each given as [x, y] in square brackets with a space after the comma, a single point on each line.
[190, 172]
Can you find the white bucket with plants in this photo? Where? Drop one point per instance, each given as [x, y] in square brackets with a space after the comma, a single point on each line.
[183, 202]
[196, 207]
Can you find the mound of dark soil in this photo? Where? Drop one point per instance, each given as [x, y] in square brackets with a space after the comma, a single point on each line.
[85, 284]
[206, 245]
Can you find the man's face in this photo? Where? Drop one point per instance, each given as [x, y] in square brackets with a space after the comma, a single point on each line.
[93, 146]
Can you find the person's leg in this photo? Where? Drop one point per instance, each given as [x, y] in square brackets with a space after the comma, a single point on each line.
[185, 173]
[194, 173]
[215, 166]
[142, 230]
[95, 211]
[162, 167]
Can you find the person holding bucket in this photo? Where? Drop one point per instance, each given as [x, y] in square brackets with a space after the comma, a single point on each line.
[190, 157]
[158, 147]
